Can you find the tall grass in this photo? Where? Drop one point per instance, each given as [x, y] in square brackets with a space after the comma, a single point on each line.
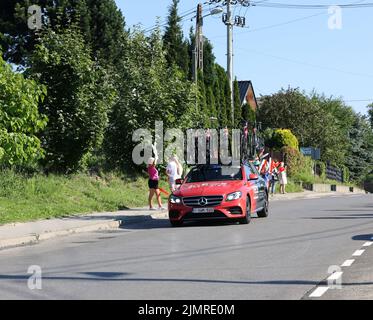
[27, 198]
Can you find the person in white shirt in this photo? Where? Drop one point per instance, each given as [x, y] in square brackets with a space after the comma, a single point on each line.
[174, 172]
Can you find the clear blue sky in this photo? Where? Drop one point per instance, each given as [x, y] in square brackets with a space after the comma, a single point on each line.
[303, 53]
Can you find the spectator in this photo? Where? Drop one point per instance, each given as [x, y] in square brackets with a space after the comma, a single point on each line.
[174, 172]
[153, 184]
[282, 177]
[273, 170]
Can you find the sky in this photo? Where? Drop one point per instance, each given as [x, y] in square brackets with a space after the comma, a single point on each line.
[285, 47]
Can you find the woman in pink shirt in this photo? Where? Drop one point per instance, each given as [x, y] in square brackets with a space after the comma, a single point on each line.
[153, 184]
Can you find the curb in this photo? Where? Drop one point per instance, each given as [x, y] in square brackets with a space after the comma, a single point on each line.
[47, 235]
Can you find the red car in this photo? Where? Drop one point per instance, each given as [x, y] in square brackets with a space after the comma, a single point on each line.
[219, 192]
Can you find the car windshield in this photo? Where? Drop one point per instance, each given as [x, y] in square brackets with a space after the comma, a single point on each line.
[214, 173]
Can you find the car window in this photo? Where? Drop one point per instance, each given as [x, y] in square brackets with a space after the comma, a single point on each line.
[214, 173]
[248, 171]
[253, 169]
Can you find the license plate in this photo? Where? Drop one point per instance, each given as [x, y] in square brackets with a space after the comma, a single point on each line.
[203, 210]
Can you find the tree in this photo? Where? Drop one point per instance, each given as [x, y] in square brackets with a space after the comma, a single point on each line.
[370, 114]
[237, 105]
[315, 120]
[360, 156]
[248, 114]
[212, 107]
[104, 29]
[209, 70]
[175, 45]
[79, 97]
[100, 21]
[145, 97]
[221, 98]
[20, 120]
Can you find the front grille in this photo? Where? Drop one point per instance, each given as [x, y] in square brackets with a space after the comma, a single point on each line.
[202, 216]
[211, 201]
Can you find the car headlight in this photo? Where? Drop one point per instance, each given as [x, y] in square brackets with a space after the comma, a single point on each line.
[234, 196]
[175, 200]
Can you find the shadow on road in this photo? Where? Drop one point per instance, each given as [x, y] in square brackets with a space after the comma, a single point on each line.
[119, 277]
[150, 223]
[362, 237]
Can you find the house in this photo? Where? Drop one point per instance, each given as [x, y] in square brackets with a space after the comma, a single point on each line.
[247, 94]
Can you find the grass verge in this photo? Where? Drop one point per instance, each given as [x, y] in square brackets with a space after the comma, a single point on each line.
[42, 197]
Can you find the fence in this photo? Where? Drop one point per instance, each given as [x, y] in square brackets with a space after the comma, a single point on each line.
[334, 173]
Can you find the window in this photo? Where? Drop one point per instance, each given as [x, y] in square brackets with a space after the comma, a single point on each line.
[214, 173]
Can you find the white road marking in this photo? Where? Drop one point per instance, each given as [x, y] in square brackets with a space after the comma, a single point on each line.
[358, 253]
[367, 244]
[335, 275]
[319, 292]
[348, 263]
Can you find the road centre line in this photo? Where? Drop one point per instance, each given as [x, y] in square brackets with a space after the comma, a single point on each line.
[367, 244]
[348, 263]
[318, 292]
[335, 275]
[358, 253]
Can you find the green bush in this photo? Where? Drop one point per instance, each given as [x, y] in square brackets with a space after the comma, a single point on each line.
[346, 174]
[322, 166]
[285, 138]
[297, 165]
[20, 120]
[369, 178]
[80, 95]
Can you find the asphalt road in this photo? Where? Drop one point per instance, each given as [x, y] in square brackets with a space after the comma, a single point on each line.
[285, 256]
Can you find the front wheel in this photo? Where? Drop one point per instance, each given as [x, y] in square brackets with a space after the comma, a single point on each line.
[264, 213]
[247, 218]
[176, 223]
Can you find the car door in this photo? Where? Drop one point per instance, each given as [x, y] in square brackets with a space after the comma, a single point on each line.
[253, 188]
[260, 184]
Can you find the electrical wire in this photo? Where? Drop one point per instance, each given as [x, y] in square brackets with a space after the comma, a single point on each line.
[308, 64]
[311, 6]
[184, 16]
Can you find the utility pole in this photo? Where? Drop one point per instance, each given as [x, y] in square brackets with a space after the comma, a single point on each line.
[238, 21]
[229, 24]
[198, 46]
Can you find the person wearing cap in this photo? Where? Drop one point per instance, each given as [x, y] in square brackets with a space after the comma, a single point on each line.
[153, 184]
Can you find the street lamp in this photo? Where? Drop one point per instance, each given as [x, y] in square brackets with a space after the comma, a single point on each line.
[215, 11]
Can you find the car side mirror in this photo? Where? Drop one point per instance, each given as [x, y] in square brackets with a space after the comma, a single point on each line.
[179, 181]
[253, 176]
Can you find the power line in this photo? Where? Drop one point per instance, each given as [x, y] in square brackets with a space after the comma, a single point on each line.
[311, 6]
[309, 64]
[359, 100]
[184, 16]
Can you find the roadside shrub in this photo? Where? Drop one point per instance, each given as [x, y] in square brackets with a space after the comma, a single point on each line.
[345, 174]
[284, 138]
[297, 164]
[322, 167]
[20, 119]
